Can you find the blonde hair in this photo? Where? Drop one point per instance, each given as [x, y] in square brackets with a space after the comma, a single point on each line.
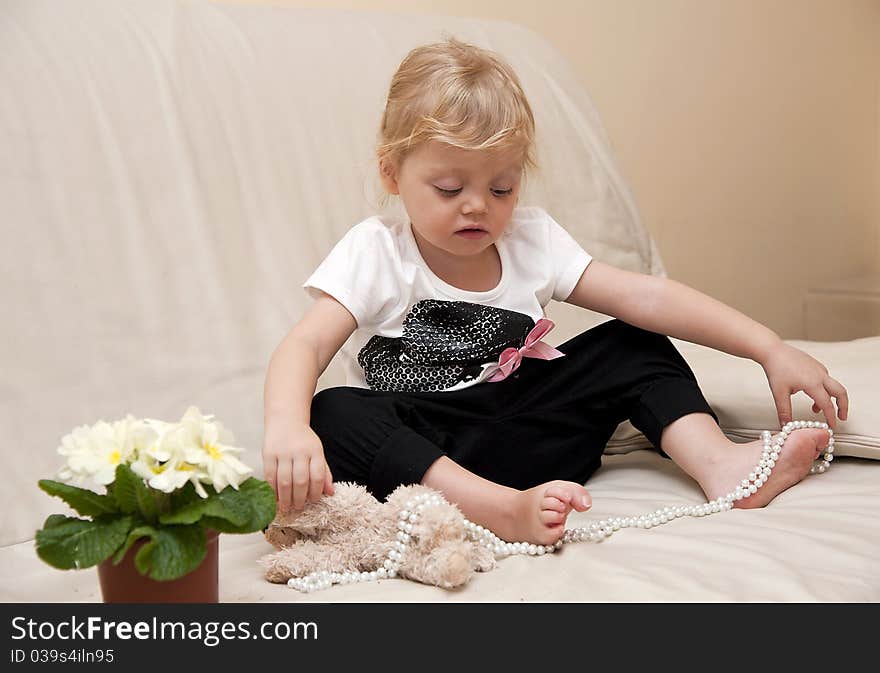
[459, 94]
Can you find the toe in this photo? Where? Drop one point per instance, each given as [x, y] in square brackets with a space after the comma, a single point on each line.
[553, 533]
[584, 502]
[581, 499]
[550, 518]
[821, 436]
[573, 495]
[561, 491]
[818, 437]
[554, 504]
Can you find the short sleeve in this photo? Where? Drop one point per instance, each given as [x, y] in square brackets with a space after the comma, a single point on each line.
[360, 272]
[569, 259]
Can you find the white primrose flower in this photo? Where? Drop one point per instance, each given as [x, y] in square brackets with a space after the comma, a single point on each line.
[76, 446]
[161, 464]
[96, 451]
[161, 449]
[207, 446]
[171, 475]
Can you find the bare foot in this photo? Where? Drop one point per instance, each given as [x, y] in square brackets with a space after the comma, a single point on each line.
[734, 463]
[538, 514]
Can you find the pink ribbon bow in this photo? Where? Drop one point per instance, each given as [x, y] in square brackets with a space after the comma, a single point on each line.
[533, 348]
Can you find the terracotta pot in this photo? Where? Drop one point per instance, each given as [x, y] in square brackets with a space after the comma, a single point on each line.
[123, 583]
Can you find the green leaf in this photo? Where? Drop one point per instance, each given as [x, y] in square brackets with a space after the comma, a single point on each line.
[54, 520]
[87, 503]
[172, 552]
[80, 543]
[133, 495]
[246, 510]
[256, 497]
[183, 496]
[134, 535]
[123, 496]
[222, 505]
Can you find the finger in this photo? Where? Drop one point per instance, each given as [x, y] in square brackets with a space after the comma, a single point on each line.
[300, 482]
[284, 483]
[316, 480]
[270, 471]
[834, 387]
[782, 399]
[823, 400]
[328, 482]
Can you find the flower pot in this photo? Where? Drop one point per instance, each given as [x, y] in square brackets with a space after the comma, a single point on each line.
[123, 583]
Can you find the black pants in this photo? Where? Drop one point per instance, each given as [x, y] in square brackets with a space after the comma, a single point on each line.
[550, 419]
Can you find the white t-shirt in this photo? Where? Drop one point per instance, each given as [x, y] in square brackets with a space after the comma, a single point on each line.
[416, 332]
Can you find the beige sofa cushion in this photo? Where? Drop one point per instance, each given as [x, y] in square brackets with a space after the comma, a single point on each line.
[738, 392]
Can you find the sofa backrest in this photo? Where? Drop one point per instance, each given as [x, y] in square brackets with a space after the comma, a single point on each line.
[170, 174]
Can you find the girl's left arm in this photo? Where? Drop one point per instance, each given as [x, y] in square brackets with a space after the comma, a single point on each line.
[668, 307]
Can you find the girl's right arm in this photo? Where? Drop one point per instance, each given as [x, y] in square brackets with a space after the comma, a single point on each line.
[293, 456]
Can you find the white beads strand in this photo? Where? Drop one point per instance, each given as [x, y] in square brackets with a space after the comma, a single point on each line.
[595, 532]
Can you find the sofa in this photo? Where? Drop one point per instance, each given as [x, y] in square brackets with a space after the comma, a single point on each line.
[171, 172]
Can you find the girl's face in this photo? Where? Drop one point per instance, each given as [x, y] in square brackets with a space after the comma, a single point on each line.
[459, 201]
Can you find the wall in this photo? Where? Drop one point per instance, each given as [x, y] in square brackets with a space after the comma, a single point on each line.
[748, 130]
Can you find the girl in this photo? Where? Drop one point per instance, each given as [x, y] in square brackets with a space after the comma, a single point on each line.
[448, 380]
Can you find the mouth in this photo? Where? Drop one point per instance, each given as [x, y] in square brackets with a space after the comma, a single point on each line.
[471, 232]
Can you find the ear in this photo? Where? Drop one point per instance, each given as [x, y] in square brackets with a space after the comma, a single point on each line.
[388, 175]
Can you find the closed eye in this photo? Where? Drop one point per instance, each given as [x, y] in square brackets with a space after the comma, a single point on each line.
[452, 192]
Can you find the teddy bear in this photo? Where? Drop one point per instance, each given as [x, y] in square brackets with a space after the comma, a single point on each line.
[351, 533]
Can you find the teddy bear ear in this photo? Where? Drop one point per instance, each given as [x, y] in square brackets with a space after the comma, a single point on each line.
[397, 492]
[400, 495]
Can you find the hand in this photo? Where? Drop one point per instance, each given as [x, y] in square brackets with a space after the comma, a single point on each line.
[294, 465]
[789, 370]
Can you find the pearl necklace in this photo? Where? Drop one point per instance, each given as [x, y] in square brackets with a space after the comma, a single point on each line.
[596, 532]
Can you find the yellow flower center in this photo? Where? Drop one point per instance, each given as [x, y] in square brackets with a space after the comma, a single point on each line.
[212, 451]
[159, 469]
[115, 457]
[186, 467]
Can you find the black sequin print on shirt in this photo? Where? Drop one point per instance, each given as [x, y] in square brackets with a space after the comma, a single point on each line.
[444, 343]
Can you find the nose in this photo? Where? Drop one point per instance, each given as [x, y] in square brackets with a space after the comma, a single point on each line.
[475, 204]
